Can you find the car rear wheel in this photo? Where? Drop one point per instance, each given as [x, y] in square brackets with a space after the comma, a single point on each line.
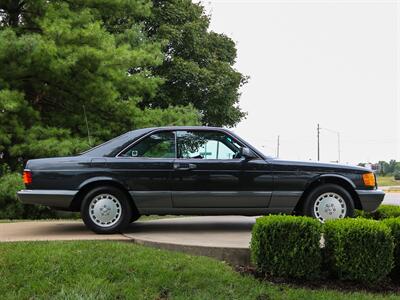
[329, 202]
[106, 210]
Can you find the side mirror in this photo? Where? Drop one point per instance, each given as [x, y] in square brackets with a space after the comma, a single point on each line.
[247, 153]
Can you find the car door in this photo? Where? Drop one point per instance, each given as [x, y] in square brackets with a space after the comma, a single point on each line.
[209, 173]
[146, 168]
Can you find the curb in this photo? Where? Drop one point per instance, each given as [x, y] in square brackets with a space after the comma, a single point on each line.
[232, 256]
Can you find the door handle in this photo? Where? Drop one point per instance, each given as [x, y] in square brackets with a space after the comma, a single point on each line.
[184, 167]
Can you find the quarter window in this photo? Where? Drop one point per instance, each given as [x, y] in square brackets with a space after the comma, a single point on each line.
[157, 145]
[206, 145]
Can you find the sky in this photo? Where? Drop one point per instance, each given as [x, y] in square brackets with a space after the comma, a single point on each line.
[336, 63]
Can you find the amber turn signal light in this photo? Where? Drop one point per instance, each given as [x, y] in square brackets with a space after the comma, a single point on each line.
[369, 179]
[27, 176]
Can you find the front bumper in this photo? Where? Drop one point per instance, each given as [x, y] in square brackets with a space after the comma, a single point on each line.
[370, 199]
[54, 198]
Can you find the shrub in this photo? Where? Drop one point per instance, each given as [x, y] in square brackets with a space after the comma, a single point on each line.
[287, 246]
[383, 212]
[358, 213]
[394, 225]
[358, 249]
[397, 175]
[11, 207]
[386, 211]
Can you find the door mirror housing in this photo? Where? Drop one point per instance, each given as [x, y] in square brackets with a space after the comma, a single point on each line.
[247, 153]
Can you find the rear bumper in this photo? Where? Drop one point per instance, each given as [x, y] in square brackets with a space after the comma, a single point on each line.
[370, 199]
[54, 198]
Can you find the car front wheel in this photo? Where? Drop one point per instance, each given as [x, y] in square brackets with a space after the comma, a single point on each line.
[106, 210]
[328, 202]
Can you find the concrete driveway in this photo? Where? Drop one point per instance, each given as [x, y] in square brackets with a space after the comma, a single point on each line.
[225, 238]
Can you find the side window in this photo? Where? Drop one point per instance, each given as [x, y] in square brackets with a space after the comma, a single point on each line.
[157, 145]
[206, 145]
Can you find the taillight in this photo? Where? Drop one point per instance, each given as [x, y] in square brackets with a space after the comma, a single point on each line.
[27, 176]
[369, 179]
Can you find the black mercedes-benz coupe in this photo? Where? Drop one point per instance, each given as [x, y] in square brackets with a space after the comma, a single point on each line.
[195, 171]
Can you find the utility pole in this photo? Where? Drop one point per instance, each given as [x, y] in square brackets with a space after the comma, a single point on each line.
[338, 140]
[318, 131]
[338, 143]
[277, 148]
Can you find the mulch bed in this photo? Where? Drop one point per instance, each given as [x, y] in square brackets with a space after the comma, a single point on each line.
[383, 287]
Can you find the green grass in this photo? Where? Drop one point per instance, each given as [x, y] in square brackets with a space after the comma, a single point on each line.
[387, 181]
[116, 270]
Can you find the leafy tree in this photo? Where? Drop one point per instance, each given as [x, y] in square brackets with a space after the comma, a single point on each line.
[69, 67]
[197, 64]
[383, 167]
[392, 165]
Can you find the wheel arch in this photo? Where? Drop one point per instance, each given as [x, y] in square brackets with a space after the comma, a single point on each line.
[340, 180]
[92, 183]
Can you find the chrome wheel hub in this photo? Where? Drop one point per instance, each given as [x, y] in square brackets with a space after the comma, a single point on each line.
[330, 206]
[105, 210]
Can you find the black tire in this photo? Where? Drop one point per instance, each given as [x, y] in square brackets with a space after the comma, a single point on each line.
[313, 197]
[125, 210]
[135, 217]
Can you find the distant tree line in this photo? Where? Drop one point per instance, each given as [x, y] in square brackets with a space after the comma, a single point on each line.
[383, 168]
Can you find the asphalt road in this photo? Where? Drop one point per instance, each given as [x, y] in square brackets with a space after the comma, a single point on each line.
[392, 198]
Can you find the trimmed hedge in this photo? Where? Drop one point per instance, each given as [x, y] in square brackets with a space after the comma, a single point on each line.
[287, 246]
[383, 212]
[386, 211]
[394, 225]
[358, 249]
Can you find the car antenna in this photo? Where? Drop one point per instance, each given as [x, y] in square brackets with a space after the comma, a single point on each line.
[87, 126]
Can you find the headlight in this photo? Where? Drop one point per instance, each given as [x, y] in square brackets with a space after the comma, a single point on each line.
[369, 179]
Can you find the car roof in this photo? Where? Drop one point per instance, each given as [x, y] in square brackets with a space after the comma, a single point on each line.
[114, 146]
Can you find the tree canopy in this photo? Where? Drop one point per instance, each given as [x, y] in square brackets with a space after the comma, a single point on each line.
[197, 64]
[75, 73]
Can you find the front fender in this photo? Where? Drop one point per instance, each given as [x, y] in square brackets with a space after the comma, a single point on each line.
[338, 176]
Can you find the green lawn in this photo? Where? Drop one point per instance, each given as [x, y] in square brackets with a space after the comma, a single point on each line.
[116, 270]
[387, 181]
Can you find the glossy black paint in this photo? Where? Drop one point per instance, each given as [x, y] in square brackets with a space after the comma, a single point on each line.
[193, 186]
